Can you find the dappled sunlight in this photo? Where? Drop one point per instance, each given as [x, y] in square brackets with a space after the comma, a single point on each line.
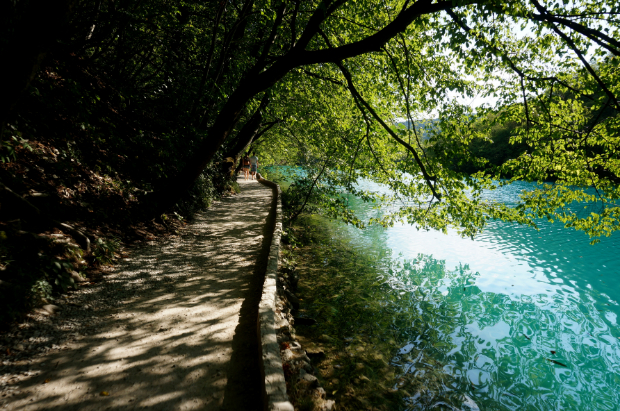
[184, 337]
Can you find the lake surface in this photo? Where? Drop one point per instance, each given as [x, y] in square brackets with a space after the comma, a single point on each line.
[519, 319]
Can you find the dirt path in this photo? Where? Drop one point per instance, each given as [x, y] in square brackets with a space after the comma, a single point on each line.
[177, 326]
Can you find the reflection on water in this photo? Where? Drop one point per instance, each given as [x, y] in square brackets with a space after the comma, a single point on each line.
[516, 319]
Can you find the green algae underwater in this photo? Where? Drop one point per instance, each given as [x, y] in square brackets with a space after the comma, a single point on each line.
[360, 321]
[412, 334]
[515, 319]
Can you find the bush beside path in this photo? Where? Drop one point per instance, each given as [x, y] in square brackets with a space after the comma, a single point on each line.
[172, 328]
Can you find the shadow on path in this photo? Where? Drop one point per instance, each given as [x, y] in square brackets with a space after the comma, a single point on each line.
[246, 349]
[179, 332]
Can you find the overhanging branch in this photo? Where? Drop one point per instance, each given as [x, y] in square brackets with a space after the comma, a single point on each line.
[571, 44]
[429, 179]
[502, 54]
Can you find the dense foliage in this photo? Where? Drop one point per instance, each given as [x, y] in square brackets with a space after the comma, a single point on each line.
[132, 108]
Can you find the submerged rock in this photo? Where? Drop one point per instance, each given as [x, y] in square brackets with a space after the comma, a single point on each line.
[292, 298]
[469, 404]
[406, 349]
[319, 393]
[329, 405]
[308, 378]
[315, 353]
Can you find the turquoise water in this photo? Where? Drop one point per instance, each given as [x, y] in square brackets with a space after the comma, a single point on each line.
[518, 319]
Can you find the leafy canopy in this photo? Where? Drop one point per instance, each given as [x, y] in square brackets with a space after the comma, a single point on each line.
[169, 89]
[549, 72]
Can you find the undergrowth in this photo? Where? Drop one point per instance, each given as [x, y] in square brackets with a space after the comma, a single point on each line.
[80, 161]
[33, 269]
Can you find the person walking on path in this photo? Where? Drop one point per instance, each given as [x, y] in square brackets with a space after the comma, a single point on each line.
[253, 165]
[246, 166]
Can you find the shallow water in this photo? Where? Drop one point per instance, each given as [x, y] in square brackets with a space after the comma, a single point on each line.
[519, 319]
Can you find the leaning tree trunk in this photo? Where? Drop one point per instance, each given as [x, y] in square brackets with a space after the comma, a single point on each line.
[260, 79]
[248, 131]
[172, 191]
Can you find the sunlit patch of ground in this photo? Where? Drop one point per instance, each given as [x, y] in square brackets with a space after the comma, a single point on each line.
[175, 323]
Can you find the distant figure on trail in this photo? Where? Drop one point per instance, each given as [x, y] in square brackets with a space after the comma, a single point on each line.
[246, 166]
[253, 164]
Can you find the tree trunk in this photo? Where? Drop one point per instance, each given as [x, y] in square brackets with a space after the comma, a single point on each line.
[258, 81]
[249, 130]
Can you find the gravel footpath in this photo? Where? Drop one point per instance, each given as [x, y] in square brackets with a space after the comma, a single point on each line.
[172, 327]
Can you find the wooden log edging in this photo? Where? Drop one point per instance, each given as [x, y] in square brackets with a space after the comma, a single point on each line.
[275, 397]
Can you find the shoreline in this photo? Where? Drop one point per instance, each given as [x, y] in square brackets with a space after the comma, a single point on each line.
[351, 365]
[285, 366]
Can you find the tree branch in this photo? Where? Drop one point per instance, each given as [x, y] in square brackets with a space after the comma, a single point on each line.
[323, 10]
[429, 179]
[572, 46]
[272, 36]
[508, 60]
[331, 80]
[253, 84]
[301, 209]
[264, 130]
[250, 129]
[592, 34]
[294, 23]
[376, 41]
